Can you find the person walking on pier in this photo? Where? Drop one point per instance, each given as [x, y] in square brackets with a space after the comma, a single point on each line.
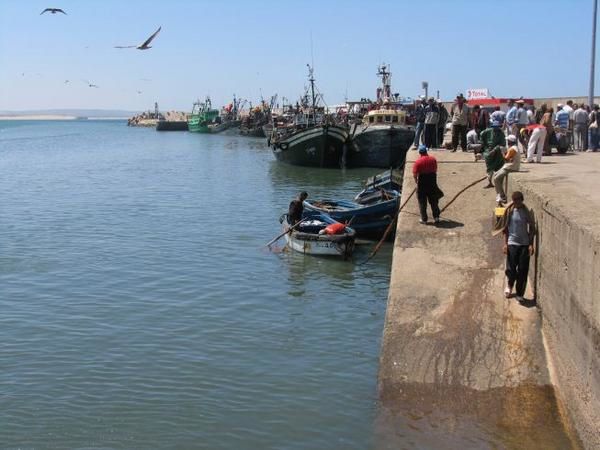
[460, 122]
[425, 175]
[297, 208]
[518, 228]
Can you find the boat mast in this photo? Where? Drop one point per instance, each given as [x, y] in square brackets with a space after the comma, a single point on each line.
[386, 82]
[311, 78]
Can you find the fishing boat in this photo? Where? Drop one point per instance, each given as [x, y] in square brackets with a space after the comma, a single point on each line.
[256, 120]
[228, 118]
[308, 237]
[368, 219]
[383, 137]
[389, 182]
[202, 116]
[310, 140]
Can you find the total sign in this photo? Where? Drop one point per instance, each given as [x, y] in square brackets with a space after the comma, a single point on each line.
[474, 94]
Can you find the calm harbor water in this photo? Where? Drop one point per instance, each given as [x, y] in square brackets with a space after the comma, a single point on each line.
[140, 308]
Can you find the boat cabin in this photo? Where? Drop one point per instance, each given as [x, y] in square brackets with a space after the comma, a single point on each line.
[385, 117]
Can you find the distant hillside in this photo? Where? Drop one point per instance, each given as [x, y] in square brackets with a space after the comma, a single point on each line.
[72, 112]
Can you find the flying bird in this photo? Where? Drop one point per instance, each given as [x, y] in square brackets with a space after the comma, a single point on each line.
[53, 11]
[139, 92]
[143, 46]
[90, 84]
[66, 81]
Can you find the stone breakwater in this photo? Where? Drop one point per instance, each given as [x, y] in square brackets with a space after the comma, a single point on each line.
[149, 119]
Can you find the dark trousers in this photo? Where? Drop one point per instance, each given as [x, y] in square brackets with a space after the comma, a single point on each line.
[459, 133]
[418, 132]
[432, 198]
[430, 138]
[441, 131]
[517, 267]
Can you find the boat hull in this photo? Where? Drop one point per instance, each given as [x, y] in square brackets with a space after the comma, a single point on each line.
[341, 245]
[380, 146]
[254, 132]
[319, 146]
[169, 125]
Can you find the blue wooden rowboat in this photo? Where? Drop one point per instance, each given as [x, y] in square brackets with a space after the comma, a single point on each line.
[389, 182]
[369, 220]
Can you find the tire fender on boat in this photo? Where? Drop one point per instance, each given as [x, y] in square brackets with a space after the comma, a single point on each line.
[283, 145]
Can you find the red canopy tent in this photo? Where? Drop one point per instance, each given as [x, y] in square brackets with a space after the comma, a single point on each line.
[489, 102]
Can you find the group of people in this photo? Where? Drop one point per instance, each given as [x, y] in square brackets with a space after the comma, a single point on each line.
[517, 224]
[535, 129]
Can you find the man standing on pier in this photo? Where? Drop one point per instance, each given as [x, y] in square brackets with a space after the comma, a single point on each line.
[460, 121]
[420, 120]
[432, 115]
[425, 175]
[492, 139]
[518, 227]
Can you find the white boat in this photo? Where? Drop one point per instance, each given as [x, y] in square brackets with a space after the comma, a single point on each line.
[305, 238]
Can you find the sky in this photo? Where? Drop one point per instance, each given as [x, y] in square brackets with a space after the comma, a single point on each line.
[530, 48]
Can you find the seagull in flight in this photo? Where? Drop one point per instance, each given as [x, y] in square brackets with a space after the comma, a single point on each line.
[143, 46]
[53, 11]
[90, 84]
[66, 81]
[139, 92]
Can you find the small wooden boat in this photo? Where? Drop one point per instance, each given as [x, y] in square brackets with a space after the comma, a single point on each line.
[308, 237]
[369, 220]
[385, 184]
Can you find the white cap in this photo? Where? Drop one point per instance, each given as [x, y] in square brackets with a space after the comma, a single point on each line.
[511, 138]
[560, 105]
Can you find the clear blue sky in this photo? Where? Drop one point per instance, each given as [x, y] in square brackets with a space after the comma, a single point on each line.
[532, 48]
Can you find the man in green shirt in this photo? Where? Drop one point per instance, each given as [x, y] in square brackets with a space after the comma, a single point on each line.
[492, 140]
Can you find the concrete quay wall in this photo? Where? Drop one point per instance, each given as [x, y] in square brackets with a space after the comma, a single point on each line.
[565, 197]
[456, 355]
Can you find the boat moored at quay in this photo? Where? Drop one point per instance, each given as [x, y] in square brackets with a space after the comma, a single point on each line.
[308, 138]
[383, 137]
[202, 116]
[312, 236]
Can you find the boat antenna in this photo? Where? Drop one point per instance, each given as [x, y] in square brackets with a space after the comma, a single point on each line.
[312, 58]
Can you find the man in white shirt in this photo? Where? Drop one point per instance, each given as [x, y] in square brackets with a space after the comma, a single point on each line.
[473, 143]
[580, 128]
[522, 122]
[569, 108]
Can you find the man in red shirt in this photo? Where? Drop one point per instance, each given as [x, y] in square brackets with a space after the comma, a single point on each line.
[425, 175]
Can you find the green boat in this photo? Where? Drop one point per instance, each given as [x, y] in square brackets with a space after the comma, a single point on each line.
[202, 116]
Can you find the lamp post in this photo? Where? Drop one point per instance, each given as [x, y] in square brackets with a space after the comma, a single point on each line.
[593, 61]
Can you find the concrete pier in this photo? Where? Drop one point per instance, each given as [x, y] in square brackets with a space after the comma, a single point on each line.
[460, 363]
[564, 193]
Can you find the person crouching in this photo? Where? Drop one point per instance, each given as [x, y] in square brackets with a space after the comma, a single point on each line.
[512, 163]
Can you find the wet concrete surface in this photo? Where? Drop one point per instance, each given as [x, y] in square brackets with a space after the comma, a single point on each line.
[461, 366]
